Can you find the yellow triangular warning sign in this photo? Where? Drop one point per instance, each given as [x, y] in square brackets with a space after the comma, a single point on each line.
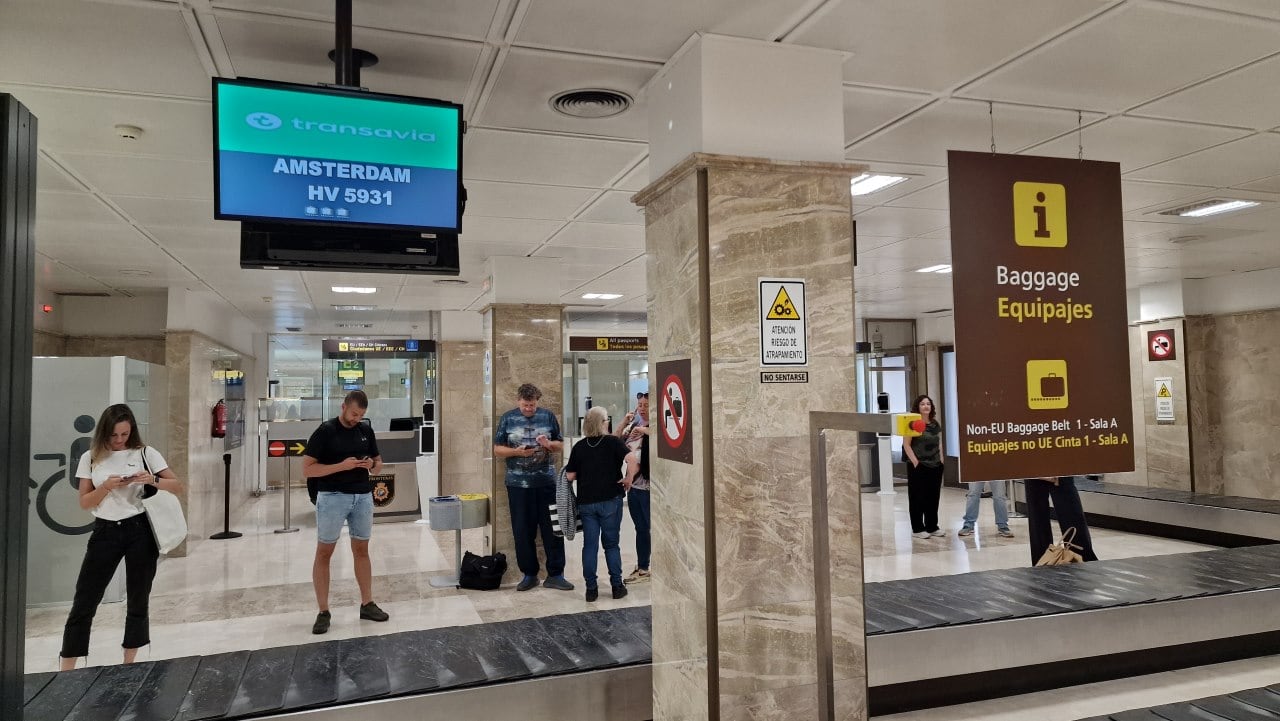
[1164, 392]
[783, 308]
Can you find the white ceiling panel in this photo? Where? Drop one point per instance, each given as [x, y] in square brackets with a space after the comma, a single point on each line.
[1217, 101]
[900, 222]
[935, 45]
[546, 159]
[1137, 195]
[926, 136]
[522, 200]
[1266, 185]
[529, 78]
[1137, 142]
[223, 240]
[635, 180]
[522, 232]
[184, 212]
[918, 178]
[297, 51]
[98, 47]
[457, 18]
[1225, 166]
[66, 240]
[149, 177]
[866, 109]
[1260, 8]
[1137, 53]
[624, 240]
[49, 177]
[75, 207]
[615, 206]
[934, 197]
[77, 121]
[653, 29]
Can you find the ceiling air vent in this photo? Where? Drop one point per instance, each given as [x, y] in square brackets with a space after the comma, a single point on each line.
[293, 328]
[591, 103]
[354, 325]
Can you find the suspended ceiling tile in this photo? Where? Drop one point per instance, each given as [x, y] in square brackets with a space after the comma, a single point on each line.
[72, 43]
[148, 177]
[622, 240]
[654, 29]
[49, 177]
[1137, 142]
[546, 159]
[1260, 8]
[458, 18]
[614, 206]
[866, 109]
[918, 177]
[1134, 54]
[522, 200]
[1137, 195]
[1224, 166]
[181, 212]
[926, 137]
[525, 233]
[934, 197]
[74, 207]
[529, 79]
[900, 222]
[1237, 98]
[1266, 185]
[635, 180]
[297, 51]
[935, 45]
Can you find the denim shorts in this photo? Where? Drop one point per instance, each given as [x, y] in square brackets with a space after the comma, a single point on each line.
[334, 508]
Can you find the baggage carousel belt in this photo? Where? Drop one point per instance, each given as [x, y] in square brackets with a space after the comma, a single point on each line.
[248, 684]
[1257, 704]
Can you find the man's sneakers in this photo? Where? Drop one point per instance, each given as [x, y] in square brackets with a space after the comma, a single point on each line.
[1005, 533]
[527, 583]
[559, 583]
[640, 575]
[368, 612]
[966, 531]
[619, 592]
[371, 612]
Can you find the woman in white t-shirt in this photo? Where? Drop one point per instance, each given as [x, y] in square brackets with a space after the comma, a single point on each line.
[114, 476]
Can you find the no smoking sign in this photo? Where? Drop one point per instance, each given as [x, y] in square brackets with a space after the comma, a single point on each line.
[675, 411]
[1161, 346]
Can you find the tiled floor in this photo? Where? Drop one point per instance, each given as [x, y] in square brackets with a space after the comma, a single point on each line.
[255, 592]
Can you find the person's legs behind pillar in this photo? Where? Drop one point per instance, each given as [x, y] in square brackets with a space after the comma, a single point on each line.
[638, 506]
[1000, 501]
[552, 544]
[524, 533]
[972, 501]
[1066, 501]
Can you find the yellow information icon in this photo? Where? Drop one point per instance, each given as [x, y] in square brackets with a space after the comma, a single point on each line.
[602, 344]
[1040, 214]
[1046, 384]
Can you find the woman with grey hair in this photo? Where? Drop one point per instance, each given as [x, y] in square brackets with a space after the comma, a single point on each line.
[595, 465]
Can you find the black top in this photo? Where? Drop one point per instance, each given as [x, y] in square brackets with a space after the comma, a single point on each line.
[333, 443]
[598, 463]
[928, 445]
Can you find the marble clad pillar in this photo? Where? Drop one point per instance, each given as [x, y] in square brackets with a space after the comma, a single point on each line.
[523, 344]
[734, 593]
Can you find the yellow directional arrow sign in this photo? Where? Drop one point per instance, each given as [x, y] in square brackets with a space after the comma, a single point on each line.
[297, 448]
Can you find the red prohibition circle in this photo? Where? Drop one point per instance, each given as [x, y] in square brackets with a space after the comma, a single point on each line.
[682, 422]
[1161, 345]
[275, 449]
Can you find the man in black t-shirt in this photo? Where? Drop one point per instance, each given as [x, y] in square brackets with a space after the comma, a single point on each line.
[340, 456]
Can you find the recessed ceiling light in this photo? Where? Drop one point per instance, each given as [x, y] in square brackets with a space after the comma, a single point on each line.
[134, 272]
[355, 307]
[940, 268]
[450, 281]
[868, 183]
[354, 325]
[1210, 207]
[352, 289]
[601, 296]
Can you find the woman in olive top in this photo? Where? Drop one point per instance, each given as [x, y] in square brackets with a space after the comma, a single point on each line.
[924, 471]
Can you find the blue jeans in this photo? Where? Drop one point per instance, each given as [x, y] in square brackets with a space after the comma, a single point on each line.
[530, 513]
[974, 497]
[601, 523]
[638, 504]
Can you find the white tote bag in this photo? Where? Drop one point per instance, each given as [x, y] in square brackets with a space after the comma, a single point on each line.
[164, 511]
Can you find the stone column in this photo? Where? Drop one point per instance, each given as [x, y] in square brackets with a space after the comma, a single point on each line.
[464, 447]
[523, 344]
[735, 600]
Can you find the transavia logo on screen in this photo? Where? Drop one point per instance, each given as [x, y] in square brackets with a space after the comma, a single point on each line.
[267, 121]
[263, 121]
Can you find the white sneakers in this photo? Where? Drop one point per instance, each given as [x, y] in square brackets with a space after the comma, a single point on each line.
[922, 534]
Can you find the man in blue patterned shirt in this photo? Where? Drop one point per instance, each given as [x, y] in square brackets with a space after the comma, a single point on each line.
[528, 437]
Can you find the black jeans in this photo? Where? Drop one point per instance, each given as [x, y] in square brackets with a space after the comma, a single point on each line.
[111, 541]
[530, 511]
[924, 490]
[1066, 501]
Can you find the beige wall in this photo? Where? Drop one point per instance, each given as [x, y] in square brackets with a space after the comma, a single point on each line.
[1235, 390]
[44, 343]
[463, 443]
[144, 348]
[1162, 452]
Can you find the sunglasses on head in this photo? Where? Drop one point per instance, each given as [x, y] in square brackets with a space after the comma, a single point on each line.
[641, 395]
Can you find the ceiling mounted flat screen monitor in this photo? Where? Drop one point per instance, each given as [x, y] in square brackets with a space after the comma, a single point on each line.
[300, 154]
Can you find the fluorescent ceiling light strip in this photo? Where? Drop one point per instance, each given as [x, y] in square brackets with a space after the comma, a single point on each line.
[352, 289]
[601, 296]
[868, 183]
[1224, 207]
[942, 268]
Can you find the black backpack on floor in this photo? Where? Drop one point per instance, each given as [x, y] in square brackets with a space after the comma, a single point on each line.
[482, 573]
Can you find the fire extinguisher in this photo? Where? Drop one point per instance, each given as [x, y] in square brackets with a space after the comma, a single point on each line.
[219, 419]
